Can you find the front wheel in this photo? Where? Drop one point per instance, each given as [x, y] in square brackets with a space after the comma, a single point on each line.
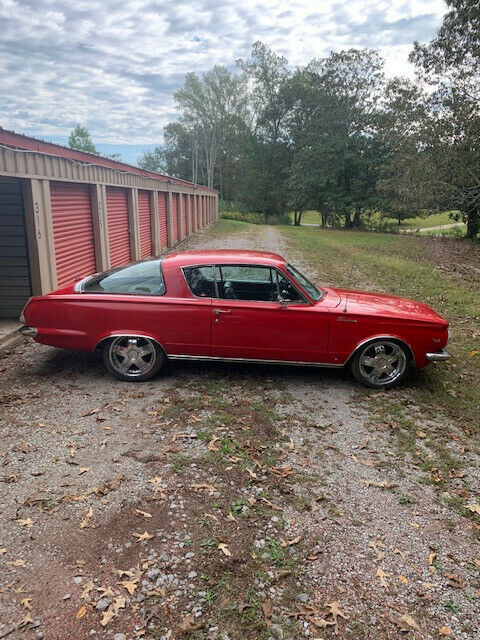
[133, 358]
[381, 364]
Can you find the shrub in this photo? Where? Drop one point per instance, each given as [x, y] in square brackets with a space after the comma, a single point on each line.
[255, 218]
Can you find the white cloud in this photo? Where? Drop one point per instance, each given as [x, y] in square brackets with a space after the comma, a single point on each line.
[114, 66]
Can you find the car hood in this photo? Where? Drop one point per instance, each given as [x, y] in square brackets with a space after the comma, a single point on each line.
[381, 304]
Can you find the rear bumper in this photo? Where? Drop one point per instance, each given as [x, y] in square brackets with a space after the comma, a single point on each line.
[30, 332]
[437, 356]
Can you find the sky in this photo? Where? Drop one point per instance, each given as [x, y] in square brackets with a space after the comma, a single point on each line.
[113, 65]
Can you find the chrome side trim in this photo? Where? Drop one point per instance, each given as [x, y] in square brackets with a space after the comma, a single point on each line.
[438, 356]
[256, 360]
[129, 335]
[383, 337]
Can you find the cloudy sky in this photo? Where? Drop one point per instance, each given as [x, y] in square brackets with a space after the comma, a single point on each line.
[113, 65]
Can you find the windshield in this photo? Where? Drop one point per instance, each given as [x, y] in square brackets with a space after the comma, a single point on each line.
[304, 282]
[140, 278]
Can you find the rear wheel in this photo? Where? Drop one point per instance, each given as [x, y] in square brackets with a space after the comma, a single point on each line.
[381, 364]
[133, 358]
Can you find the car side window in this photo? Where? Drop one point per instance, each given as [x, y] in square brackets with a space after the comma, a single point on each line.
[288, 292]
[247, 282]
[201, 281]
[140, 278]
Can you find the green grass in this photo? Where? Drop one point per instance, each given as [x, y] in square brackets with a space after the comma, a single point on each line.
[223, 227]
[430, 221]
[400, 265]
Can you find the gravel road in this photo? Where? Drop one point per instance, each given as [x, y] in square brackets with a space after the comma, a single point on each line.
[224, 502]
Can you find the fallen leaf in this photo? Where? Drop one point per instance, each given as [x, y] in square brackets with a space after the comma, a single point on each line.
[25, 522]
[90, 413]
[414, 524]
[289, 543]
[335, 612]
[145, 514]
[212, 446]
[142, 536]
[444, 631]
[421, 434]
[455, 581]
[26, 603]
[431, 558]
[155, 480]
[27, 619]
[382, 485]
[113, 609]
[81, 612]
[267, 608]
[224, 549]
[130, 585]
[83, 470]
[17, 563]
[474, 508]
[87, 587]
[86, 519]
[406, 622]
[2, 551]
[188, 624]
[380, 573]
[403, 579]
[473, 353]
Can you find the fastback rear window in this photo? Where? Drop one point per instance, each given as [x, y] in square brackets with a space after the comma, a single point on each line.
[141, 278]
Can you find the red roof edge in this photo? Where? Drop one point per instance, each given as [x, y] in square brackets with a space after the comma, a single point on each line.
[21, 141]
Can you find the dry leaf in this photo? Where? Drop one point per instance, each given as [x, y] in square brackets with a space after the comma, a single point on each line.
[455, 581]
[83, 470]
[27, 619]
[335, 612]
[90, 413]
[421, 434]
[17, 563]
[188, 625]
[267, 608]
[86, 519]
[406, 622]
[444, 631]
[381, 485]
[25, 522]
[403, 579]
[81, 612]
[431, 558]
[145, 514]
[212, 446]
[474, 508]
[414, 524]
[206, 487]
[289, 543]
[155, 480]
[26, 603]
[2, 551]
[142, 536]
[113, 609]
[130, 585]
[380, 573]
[224, 549]
[87, 587]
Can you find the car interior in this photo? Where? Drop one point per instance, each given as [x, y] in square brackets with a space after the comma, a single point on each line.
[242, 282]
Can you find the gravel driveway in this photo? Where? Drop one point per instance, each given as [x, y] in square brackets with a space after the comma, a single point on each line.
[225, 502]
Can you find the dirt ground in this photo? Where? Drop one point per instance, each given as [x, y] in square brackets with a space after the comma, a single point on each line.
[224, 502]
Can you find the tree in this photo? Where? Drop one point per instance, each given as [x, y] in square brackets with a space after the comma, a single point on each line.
[153, 160]
[81, 140]
[450, 64]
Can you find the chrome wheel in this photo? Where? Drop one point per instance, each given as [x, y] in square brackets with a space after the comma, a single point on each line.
[132, 356]
[382, 363]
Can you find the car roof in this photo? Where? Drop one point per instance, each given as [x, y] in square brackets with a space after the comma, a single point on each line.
[224, 256]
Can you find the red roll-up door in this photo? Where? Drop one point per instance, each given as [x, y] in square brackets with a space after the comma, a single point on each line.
[191, 223]
[72, 231]
[175, 217]
[162, 218]
[118, 236]
[144, 224]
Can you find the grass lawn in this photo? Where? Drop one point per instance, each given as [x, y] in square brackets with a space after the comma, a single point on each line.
[407, 266]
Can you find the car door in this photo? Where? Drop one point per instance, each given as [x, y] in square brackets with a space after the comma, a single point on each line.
[264, 329]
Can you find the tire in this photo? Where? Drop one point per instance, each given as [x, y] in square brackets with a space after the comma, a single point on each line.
[133, 358]
[381, 364]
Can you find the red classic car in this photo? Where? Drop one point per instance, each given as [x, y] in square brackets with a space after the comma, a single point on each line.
[235, 306]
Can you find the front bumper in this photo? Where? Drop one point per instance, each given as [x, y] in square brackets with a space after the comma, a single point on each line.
[30, 332]
[437, 356]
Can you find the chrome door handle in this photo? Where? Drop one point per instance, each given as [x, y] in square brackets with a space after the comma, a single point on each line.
[219, 311]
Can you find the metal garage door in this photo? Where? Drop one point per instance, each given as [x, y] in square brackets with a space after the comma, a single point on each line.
[72, 231]
[144, 224]
[191, 221]
[162, 218]
[175, 217]
[14, 270]
[118, 226]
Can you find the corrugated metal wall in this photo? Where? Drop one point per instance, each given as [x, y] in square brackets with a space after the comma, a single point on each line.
[118, 226]
[14, 269]
[184, 215]
[144, 224]
[72, 230]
